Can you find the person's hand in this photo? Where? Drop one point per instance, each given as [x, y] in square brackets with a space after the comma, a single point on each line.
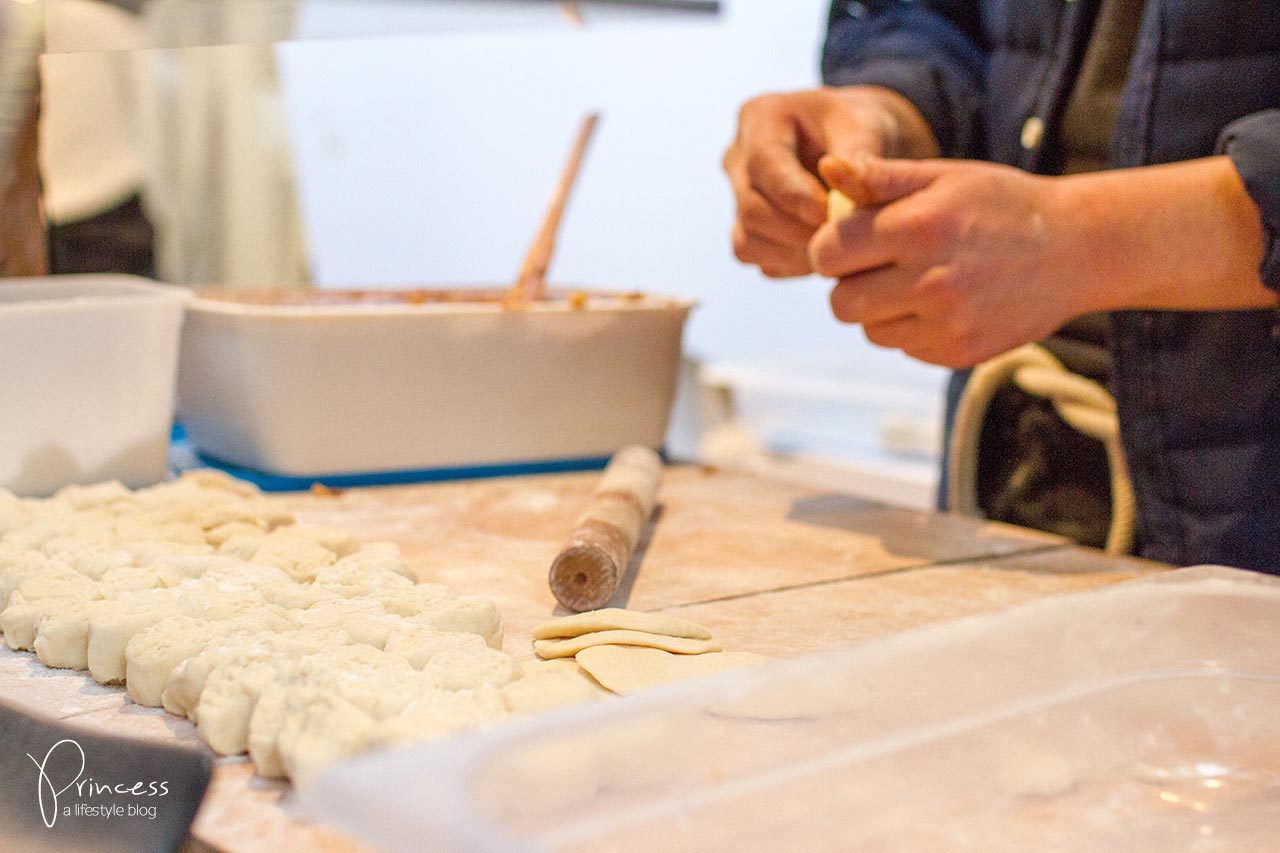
[952, 262]
[773, 161]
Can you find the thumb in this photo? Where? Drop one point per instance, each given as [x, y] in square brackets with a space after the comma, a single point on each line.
[872, 181]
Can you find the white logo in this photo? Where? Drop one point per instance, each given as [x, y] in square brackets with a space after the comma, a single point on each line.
[49, 807]
[93, 798]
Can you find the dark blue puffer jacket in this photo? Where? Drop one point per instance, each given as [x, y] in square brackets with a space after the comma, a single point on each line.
[1199, 393]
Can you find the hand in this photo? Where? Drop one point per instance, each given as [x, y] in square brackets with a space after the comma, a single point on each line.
[952, 262]
[772, 164]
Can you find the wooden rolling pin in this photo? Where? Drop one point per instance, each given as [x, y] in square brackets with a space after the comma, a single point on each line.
[590, 567]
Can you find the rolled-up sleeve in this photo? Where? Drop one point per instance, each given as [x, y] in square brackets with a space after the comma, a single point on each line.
[931, 53]
[1253, 144]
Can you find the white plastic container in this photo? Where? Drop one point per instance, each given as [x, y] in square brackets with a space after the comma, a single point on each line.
[331, 383]
[1141, 717]
[87, 367]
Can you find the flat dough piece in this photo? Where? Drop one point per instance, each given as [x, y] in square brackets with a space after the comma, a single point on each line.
[617, 619]
[550, 684]
[567, 648]
[626, 669]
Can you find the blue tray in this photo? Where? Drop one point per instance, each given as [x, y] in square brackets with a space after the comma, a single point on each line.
[184, 457]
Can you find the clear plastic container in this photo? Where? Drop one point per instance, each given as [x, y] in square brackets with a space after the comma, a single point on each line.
[1144, 716]
[87, 367]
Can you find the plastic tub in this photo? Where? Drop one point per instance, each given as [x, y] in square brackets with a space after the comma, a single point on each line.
[87, 368]
[1143, 717]
[327, 383]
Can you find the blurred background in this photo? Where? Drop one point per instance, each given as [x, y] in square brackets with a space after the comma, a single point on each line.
[255, 143]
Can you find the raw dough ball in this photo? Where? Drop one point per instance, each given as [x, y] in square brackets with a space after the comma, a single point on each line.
[186, 682]
[220, 535]
[126, 579]
[339, 542]
[243, 545]
[296, 596]
[412, 600]
[352, 578]
[227, 700]
[34, 597]
[318, 730]
[211, 479]
[614, 619]
[26, 564]
[196, 565]
[91, 559]
[379, 555]
[152, 654]
[470, 669]
[418, 644]
[437, 713]
[375, 683]
[468, 614]
[111, 625]
[300, 557]
[147, 552]
[626, 669]
[569, 647]
[62, 636]
[108, 494]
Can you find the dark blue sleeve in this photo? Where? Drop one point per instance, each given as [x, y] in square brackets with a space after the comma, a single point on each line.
[930, 52]
[1253, 144]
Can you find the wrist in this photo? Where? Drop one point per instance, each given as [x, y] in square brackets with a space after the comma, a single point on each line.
[1088, 268]
[1182, 236]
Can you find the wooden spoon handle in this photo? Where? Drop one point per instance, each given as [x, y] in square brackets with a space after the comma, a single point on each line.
[531, 284]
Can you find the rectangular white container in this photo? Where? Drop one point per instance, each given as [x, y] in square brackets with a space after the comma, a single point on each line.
[1141, 717]
[332, 384]
[87, 366]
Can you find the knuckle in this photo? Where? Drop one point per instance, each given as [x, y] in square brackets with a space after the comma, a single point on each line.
[943, 289]
[924, 228]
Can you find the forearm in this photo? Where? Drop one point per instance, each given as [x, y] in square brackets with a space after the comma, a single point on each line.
[1183, 236]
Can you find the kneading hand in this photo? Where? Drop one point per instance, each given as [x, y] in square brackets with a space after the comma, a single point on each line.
[954, 262]
[950, 261]
[773, 161]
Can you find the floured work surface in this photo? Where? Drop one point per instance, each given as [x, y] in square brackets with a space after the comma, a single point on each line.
[724, 543]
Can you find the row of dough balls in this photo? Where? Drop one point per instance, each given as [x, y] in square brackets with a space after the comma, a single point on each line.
[296, 645]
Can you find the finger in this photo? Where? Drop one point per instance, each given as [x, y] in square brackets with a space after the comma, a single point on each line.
[774, 259]
[850, 246]
[907, 332]
[852, 138]
[873, 181]
[842, 175]
[761, 219]
[774, 171]
[875, 297]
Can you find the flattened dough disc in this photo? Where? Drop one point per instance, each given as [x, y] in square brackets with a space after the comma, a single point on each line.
[626, 669]
[570, 646]
[617, 619]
